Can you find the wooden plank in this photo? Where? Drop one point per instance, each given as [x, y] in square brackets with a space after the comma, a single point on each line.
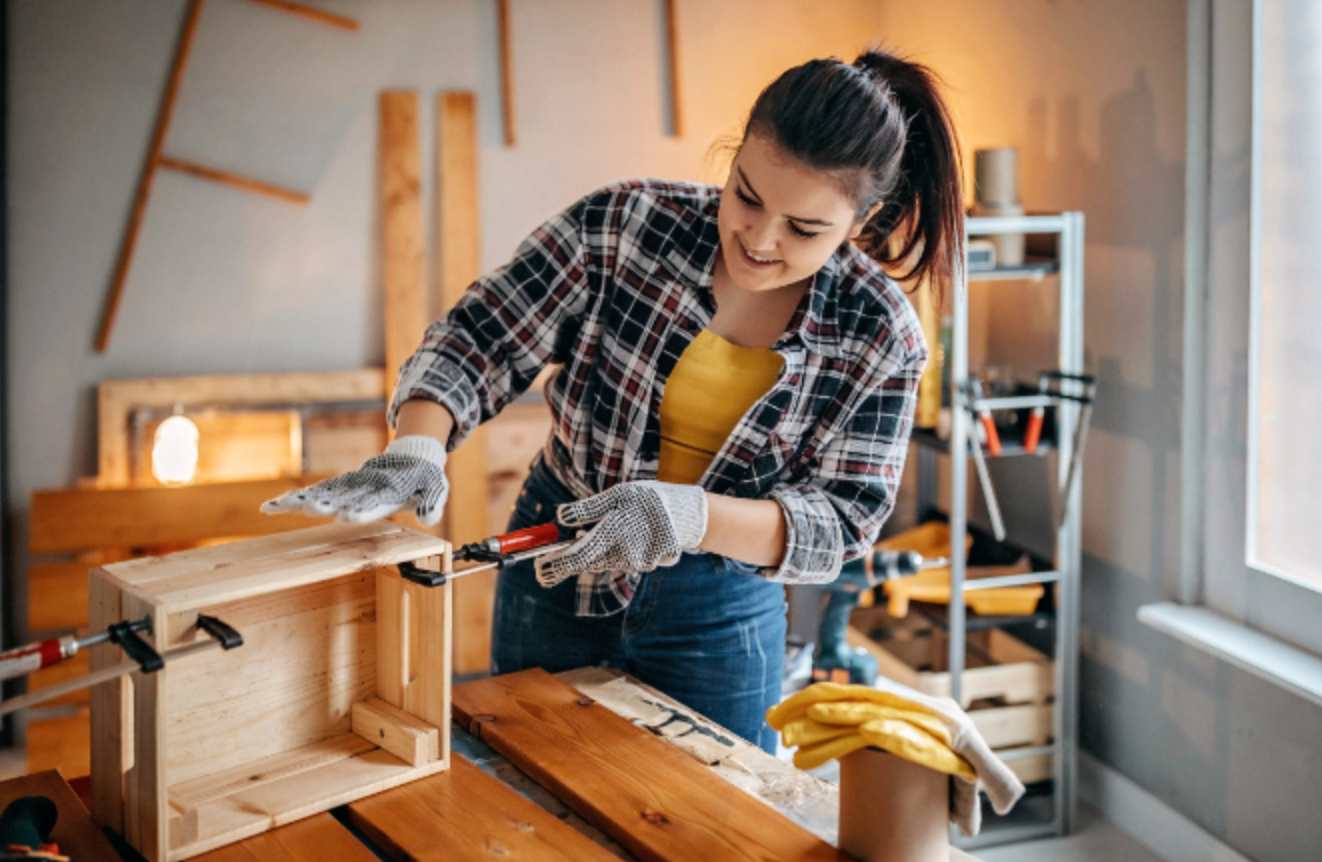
[392, 619]
[654, 800]
[116, 399]
[148, 173]
[459, 250]
[146, 805]
[247, 184]
[336, 442]
[142, 571]
[186, 591]
[393, 729]
[57, 596]
[85, 519]
[112, 718]
[317, 839]
[293, 683]
[506, 70]
[194, 793]
[406, 316]
[78, 836]
[465, 815]
[274, 804]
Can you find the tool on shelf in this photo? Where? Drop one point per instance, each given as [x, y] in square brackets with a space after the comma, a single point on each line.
[835, 660]
[1085, 399]
[493, 552]
[1033, 431]
[143, 657]
[984, 417]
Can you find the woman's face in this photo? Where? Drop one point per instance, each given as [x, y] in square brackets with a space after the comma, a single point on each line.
[779, 220]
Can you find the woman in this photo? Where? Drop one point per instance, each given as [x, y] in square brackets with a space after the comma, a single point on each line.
[735, 395]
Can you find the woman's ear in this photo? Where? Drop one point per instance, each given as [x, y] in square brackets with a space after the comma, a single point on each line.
[861, 223]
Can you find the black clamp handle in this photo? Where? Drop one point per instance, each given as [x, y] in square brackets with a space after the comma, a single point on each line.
[475, 554]
[222, 631]
[418, 575]
[125, 634]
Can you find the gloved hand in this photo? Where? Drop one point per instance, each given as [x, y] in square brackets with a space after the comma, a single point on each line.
[639, 526]
[412, 467]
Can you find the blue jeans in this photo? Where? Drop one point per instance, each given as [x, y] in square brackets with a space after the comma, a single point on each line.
[707, 631]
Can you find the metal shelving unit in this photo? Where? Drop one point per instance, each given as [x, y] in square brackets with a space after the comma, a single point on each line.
[1067, 268]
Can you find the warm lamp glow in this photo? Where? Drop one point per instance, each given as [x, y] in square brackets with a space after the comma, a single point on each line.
[174, 451]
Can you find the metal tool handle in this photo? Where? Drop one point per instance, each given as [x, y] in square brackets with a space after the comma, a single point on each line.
[988, 492]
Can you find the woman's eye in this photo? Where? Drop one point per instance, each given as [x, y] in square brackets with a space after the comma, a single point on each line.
[747, 201]
[806, 234]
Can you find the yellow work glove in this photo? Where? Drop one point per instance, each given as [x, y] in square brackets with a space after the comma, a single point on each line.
[852, 712]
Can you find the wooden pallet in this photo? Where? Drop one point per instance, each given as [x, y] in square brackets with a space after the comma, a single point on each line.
[658, 803]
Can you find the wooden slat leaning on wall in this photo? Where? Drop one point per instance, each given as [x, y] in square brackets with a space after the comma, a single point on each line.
[459, 263]
[400, 187]
[88, 519]
[117, 399]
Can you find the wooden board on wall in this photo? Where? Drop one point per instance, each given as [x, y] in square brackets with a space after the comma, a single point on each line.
[401, 229]
[117, 399]
[459, 263]
[86, 519]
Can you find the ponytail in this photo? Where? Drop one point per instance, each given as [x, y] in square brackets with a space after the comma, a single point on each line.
[880, 128]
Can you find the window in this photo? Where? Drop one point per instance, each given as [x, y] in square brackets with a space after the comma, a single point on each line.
[1284, 480]
[1241, 468]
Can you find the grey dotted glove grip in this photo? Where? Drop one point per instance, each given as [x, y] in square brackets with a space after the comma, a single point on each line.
[411, 468]
[639, 526]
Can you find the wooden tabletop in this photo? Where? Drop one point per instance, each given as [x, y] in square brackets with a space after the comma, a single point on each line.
[485, 806]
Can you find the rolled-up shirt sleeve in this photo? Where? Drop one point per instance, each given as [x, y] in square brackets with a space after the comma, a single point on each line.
[836, 512]
[508, 325]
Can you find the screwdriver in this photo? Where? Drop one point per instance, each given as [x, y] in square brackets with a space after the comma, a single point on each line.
[51, 651]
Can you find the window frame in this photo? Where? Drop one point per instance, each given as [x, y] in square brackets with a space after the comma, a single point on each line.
[1224, 170]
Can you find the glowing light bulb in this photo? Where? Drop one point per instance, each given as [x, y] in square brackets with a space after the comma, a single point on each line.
[174, 451]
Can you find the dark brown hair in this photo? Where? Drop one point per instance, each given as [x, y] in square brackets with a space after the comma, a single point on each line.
[881, 129]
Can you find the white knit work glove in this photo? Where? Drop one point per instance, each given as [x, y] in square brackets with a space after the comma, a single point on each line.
[639, 526]
[411, 468]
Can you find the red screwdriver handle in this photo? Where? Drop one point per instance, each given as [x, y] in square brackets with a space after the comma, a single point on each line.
[1034, 431]
[530, 537]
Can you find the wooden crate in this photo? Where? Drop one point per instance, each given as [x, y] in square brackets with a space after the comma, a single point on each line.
[340, 690]
[1007, 685]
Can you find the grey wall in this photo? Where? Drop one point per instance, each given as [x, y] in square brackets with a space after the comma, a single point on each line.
[229, 282]
[1093, 94]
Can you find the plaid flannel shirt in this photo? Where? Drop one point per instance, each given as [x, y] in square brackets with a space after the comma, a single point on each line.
[613, 290]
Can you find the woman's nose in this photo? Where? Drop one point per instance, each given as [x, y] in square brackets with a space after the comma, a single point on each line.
[759, 236]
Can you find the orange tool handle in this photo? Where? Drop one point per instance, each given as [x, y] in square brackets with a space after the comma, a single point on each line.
[1033, 433]
[531, 537]
[989, 427]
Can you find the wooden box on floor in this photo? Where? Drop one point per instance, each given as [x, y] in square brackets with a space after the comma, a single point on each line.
[1007, 687]
[340, 690]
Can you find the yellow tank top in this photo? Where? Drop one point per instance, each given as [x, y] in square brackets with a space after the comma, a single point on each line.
[713, 385]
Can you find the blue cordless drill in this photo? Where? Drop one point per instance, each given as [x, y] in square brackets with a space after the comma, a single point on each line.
[835, 660]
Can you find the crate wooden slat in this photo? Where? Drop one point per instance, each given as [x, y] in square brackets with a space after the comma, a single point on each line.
[224, 745]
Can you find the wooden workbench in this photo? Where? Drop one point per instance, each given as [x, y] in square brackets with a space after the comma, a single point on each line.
[437, 817]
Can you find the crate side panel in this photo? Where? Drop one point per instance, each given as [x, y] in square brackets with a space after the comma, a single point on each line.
[293, 682]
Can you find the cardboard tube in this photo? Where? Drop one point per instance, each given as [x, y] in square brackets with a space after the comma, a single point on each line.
[996, 175]
[892, 810]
